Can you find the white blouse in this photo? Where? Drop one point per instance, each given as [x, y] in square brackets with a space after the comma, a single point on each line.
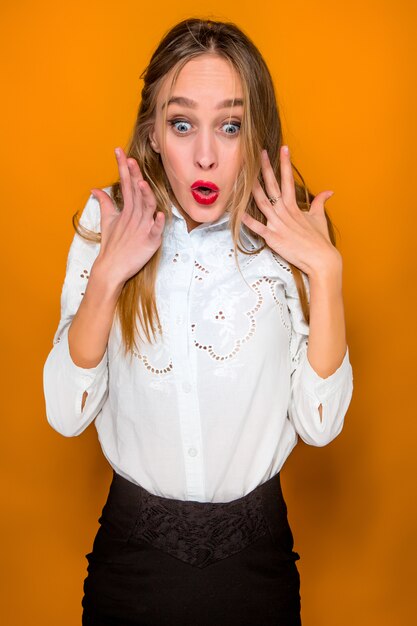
[215, 406]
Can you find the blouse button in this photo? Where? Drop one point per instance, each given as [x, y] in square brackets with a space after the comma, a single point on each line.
[186, 387]
[192, 452]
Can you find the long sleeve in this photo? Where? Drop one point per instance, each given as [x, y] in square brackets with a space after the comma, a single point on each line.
[65, 382]
[234, 344]
[308, 389]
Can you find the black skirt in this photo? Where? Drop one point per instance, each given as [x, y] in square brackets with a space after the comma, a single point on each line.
[158, 561]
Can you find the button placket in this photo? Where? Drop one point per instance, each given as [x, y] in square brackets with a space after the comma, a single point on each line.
[189, 411]
[186, 387]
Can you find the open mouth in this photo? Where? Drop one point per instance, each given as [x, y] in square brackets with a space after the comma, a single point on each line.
[204, 192]
[204, 195]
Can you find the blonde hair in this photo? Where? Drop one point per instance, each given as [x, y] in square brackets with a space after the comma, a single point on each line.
[261, 128]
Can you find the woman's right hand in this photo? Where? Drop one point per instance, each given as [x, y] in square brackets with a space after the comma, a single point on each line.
[129, 238]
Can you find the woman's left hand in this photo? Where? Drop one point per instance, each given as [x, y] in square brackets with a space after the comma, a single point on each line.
[300, 237]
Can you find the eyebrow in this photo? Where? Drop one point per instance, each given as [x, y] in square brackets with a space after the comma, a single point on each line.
[191, 104]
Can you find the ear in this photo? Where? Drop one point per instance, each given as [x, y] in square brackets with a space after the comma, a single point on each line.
[153, 141]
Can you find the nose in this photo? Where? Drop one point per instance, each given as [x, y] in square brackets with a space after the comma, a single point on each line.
[205, 155]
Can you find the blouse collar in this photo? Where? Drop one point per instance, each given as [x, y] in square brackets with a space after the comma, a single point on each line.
[221, 224]
[223, 219]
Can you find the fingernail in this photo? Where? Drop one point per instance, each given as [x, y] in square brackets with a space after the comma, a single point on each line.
[286, 149]
[117, 151]
[264, 153]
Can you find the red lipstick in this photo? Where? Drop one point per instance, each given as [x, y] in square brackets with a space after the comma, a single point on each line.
[204, 192]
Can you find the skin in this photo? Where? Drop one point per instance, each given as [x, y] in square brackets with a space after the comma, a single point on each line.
[204, 145]
[206, 151]
[302, 239]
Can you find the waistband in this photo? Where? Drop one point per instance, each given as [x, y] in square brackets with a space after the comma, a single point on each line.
[199, 533]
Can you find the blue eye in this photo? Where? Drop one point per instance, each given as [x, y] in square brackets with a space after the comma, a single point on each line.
[180, 125]
[232, 125]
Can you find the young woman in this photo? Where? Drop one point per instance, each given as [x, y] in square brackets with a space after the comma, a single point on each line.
[203, 330]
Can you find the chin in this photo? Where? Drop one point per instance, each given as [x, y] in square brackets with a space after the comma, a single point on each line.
[205, 214]
[200, 213]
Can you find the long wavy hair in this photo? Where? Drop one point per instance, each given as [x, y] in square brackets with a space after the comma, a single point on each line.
[261, 128]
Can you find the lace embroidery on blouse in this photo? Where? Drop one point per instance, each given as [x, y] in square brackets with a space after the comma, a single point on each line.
[285, 267]
[220, 315]
[251, 314]
[201, 269]
[85, 275]
[151, 368]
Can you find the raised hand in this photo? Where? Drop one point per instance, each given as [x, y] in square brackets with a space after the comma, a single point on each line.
[300, 237]
[130, 237]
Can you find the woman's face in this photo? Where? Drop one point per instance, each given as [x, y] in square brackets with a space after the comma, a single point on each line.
[202, 146]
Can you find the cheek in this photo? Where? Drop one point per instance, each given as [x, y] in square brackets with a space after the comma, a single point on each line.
[176, 165]
[234, 163]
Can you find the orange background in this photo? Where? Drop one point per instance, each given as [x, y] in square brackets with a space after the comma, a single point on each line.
[343, 75]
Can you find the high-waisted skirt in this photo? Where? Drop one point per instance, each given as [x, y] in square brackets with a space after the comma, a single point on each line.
[158, 561]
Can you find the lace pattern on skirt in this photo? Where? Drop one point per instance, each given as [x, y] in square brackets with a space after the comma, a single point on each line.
[199, 533]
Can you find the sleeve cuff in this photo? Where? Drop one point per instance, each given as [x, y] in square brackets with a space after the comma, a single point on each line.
[322, 388]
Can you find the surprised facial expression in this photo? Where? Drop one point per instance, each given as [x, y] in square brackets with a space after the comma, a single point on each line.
[201, 154]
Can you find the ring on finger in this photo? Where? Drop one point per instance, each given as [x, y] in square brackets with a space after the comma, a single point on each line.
[274, 199]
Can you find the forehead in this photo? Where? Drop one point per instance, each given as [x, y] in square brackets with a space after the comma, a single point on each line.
[204, 76]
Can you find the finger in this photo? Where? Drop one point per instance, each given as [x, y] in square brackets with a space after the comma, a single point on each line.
[107, 207]
[125, 181]
[255, 225]
[134, 169]
[136, 178]
[158, 225]
[317, 206]
[271, 183]
[287, 180]
[108, 211]
[263, 202]
[149, 200]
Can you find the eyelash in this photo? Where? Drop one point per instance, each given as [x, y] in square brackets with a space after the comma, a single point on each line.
[181, 121]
